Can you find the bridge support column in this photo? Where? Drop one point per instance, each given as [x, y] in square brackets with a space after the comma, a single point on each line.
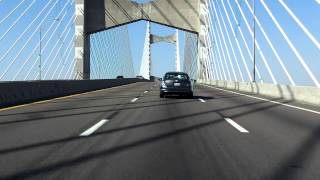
[203, 63]
[149, 49]
[79, 42]
[86, 60]
[178, 68]
[90, 18]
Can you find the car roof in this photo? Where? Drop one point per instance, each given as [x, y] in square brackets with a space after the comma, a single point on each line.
[176, 73]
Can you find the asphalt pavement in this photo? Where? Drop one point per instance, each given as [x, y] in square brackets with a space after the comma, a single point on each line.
[129, 133]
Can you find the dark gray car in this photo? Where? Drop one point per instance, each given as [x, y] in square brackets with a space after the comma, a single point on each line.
[176, 83]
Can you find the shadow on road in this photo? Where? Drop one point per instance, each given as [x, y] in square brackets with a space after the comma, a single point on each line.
[65, 163]
[302, 154]
[186, 97]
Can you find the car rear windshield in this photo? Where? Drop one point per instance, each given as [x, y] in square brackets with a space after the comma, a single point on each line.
[179, 76]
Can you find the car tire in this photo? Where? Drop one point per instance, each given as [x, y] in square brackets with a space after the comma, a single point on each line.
[161, 96]
[190, 95]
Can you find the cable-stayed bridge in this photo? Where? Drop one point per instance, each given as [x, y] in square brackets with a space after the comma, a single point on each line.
[146, 62]
[73, 109]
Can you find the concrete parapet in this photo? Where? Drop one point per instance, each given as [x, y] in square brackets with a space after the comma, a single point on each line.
[14, 93]
[303, 94]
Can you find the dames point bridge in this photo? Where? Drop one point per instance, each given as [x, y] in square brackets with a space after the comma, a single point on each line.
[255, 113]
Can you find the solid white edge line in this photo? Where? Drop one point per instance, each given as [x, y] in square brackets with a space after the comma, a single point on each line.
[275, 102]
[134, 100]
[91, 130]
[201, 100]
[237, 126]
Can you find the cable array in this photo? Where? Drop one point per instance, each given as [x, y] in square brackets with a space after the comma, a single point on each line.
[190, 63]
[247, 40]
[145, 67]
[111, 54]
[36, 39]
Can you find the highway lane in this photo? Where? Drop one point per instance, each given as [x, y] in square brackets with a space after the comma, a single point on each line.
[146, 137]
[24, 128]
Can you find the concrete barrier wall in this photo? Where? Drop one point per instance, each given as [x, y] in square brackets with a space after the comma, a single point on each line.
[14, 93]
[303, 94]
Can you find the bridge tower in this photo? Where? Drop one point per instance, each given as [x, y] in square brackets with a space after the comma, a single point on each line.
[146, 62]
[98, 15]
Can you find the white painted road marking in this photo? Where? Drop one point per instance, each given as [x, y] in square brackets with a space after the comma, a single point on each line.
[94, 128]
[146, 92]
[134, 100]
[201, 100]
[235, 125]
[275, 102]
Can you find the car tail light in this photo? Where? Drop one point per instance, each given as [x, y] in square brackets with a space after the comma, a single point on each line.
[163, 84]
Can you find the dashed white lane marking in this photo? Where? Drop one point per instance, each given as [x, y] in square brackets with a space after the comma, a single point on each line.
[201, 100]
[275, 102]
[91, 130]
[237, 126]
[134, 100]
[146, 92]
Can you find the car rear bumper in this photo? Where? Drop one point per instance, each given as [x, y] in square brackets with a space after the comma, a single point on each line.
[175, 90]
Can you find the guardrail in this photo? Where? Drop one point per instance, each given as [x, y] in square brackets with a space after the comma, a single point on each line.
[15, 93]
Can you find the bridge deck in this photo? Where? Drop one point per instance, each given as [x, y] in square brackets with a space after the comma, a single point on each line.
[145, 137]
